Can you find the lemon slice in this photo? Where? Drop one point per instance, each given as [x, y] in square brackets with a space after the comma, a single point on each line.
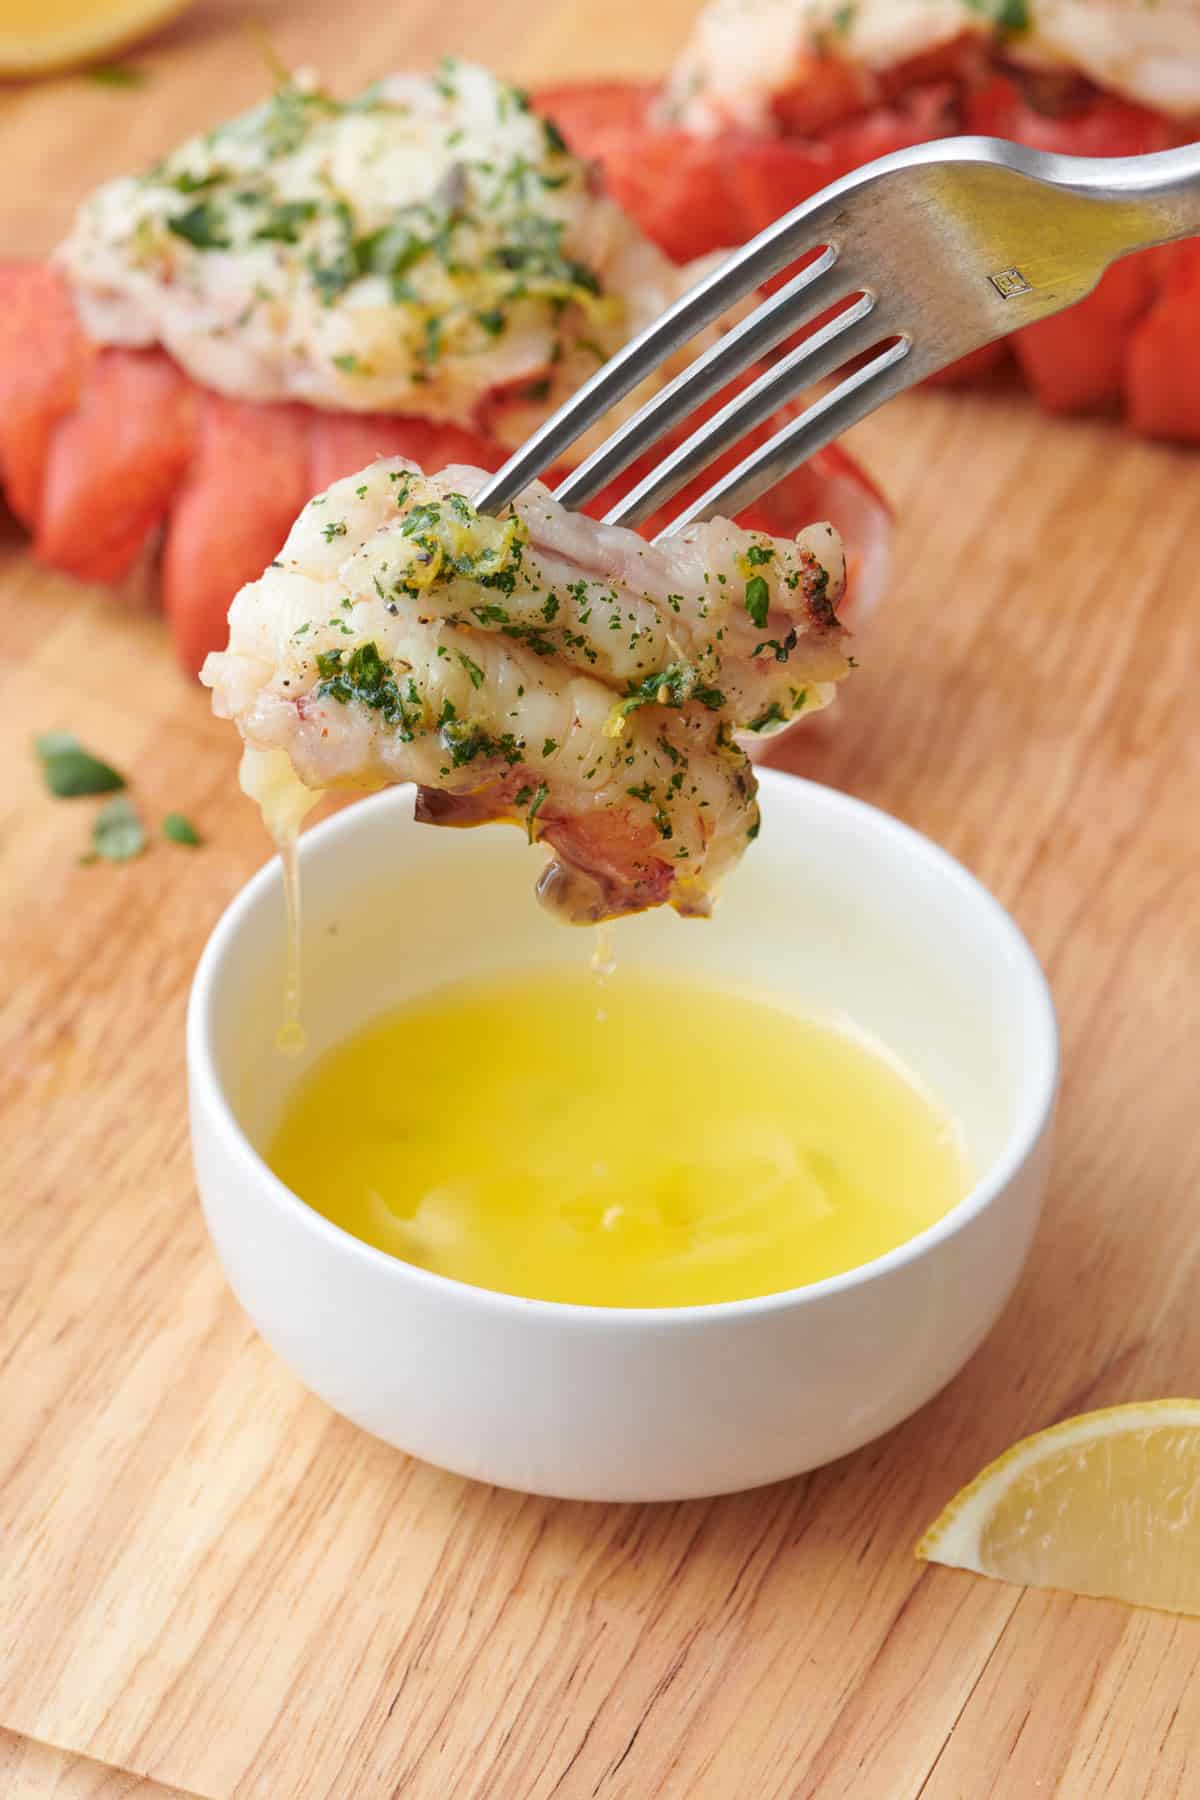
[39, 35]
[1107, 1504]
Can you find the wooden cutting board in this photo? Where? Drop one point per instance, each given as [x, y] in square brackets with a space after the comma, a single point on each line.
[209, 1580]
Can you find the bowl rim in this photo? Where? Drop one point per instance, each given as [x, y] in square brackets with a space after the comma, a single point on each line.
[1037, 1107]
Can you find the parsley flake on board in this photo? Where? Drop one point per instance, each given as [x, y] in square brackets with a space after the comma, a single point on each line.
[70, 770]
[178, 828]
[117, 833]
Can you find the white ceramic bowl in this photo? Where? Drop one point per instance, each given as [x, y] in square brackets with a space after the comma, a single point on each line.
[839, 908]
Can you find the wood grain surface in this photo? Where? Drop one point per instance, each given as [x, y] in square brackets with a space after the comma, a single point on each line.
[206, 1578]
[30, 1771]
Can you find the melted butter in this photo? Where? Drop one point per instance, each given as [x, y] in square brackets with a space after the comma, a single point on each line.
[290, 1037]
[604, 958]
[268, 778]
[681, 1145]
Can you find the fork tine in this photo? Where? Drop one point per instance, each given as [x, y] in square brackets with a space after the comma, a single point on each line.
[783, 242]
[734, 351]
[886, 375]
[855, 329]
[967, 217]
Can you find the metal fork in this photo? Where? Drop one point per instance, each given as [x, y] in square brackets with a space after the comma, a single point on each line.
[929, 253]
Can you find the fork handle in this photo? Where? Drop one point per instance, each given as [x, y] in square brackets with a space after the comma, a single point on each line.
[1159, 192]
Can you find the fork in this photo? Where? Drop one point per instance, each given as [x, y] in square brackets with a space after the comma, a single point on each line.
[927, 254]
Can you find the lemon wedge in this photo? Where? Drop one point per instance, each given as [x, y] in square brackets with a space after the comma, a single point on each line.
[39, 35]
[1107, 1503]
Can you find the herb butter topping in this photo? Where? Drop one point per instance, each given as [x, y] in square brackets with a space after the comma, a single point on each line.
[425, 247]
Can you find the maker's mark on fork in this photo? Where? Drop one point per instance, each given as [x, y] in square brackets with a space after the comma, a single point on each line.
[1009, 283]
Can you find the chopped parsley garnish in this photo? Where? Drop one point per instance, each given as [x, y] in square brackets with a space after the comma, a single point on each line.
[672, 686]
[432, 348]
[421, 519]
[187, 183]
[780, 650]
[535, 808]
[283, 221]
[771, 716]
[364, 676]
[533, 250]
[336, 528]
[758, 600]
[71, 771]
[465, 742]
[288, 116]
[473, 669]
[1007, 15]
[201, 227]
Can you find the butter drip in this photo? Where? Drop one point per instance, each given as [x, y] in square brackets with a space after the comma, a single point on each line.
[268, 778]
